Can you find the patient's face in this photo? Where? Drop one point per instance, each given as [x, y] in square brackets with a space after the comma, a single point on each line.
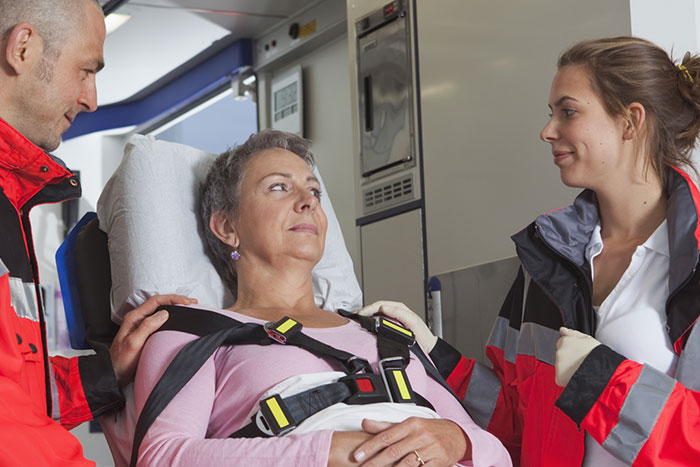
[280, 214]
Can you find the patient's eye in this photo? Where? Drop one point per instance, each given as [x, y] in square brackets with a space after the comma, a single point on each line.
[316, 192]
[279, 186]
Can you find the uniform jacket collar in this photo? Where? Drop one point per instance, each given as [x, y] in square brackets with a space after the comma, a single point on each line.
[567, 231]
[25, 169]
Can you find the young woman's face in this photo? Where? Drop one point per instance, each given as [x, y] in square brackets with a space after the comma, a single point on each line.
[280, 214]
[586, 141]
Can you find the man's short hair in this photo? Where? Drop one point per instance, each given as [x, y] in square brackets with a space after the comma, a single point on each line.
[54, 20]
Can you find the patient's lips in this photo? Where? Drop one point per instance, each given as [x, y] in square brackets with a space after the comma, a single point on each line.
[305, 228]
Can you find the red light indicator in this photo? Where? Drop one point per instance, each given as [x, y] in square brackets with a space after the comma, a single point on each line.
[389, 9]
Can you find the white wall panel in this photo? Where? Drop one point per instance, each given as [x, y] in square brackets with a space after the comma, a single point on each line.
[485, 72]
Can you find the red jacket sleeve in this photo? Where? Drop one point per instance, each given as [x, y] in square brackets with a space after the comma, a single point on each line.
[83, 388]
[489, 394]
[639, 414]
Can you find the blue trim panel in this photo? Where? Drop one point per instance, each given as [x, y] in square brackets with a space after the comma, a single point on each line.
[183, 89]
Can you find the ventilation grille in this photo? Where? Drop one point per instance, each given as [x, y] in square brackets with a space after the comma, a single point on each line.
[389, 194]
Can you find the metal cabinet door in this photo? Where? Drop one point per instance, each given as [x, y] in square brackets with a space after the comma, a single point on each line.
[386, 118]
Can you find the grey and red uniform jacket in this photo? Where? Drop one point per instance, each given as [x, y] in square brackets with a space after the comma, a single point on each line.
[38, 393]
[639, 414]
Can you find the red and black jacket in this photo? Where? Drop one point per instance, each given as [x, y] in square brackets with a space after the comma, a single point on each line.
[36, 390]
[639, 414]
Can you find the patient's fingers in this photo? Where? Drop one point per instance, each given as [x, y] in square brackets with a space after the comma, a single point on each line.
[137, 325]
[439, 442]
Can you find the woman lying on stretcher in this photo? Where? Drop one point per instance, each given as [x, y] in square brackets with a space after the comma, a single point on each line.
[266, 230]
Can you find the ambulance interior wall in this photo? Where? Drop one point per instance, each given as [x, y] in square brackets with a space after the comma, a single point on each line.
[485, 74]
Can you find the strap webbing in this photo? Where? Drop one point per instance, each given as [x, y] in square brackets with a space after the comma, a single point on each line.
[216, 330]
[303, 405]
[184, 366]
[368, 323]
[351, 364]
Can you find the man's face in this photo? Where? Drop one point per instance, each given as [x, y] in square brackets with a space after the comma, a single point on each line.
[62, 87]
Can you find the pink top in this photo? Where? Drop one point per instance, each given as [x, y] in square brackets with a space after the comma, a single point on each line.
[217, 401]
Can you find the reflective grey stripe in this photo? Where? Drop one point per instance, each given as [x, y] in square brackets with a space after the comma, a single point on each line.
[55, 407]
[689, 362]
[3, 268]
[538, 341]
[497, 338]
[511, 349]
[23, 297]
[504, 337]
[482, 394]
[639, 413]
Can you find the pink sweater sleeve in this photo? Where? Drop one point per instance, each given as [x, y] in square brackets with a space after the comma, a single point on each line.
[487, 450]
[178, 435]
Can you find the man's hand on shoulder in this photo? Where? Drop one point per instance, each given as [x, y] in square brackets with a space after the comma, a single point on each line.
[137, 326]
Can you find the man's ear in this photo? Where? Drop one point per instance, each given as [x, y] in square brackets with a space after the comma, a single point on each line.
[23, 46]
[223, 228]
[635, 121]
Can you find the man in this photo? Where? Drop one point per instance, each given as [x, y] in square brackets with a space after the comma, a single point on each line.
[51, 51]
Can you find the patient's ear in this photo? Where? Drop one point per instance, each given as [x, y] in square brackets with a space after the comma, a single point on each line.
[221, 226]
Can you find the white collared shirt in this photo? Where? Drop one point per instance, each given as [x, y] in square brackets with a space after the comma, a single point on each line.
[632, 318]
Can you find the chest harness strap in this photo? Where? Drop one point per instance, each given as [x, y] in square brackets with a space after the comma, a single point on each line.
[280, 415]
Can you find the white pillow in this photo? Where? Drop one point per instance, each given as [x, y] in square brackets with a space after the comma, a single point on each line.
[148, 209]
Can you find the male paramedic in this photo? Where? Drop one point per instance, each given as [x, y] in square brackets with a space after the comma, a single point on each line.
[50, 53]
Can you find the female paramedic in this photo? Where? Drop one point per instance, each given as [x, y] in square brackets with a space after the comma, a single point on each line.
[595, 352]
[266, 231]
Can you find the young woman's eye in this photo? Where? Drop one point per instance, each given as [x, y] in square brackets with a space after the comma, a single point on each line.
[569, 112]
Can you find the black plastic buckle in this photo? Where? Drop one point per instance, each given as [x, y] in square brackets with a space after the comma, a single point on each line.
[356, 364]
[367, 388]
[396, 381]
[273, 418]
[281, 330]
[394, 331]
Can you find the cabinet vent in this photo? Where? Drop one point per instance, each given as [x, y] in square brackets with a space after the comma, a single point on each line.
[393, 192]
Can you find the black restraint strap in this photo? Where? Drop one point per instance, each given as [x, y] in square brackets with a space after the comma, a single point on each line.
[350, 363]
[190, 359]
[369, 323]
[301, 406]
[387, 346]
[216, 330]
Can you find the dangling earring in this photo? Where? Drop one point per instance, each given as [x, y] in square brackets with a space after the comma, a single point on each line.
[235, 255]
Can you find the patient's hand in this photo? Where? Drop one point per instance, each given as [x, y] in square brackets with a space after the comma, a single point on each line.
[439, 442]
[405, 316]
[343, 445]
[137, 325]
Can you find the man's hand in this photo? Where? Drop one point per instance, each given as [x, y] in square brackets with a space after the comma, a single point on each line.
[137, 325]
[405, 316]
[572, 349]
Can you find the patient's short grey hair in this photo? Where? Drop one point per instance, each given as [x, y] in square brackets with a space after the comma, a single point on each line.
[54, 20]
[222, 187]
